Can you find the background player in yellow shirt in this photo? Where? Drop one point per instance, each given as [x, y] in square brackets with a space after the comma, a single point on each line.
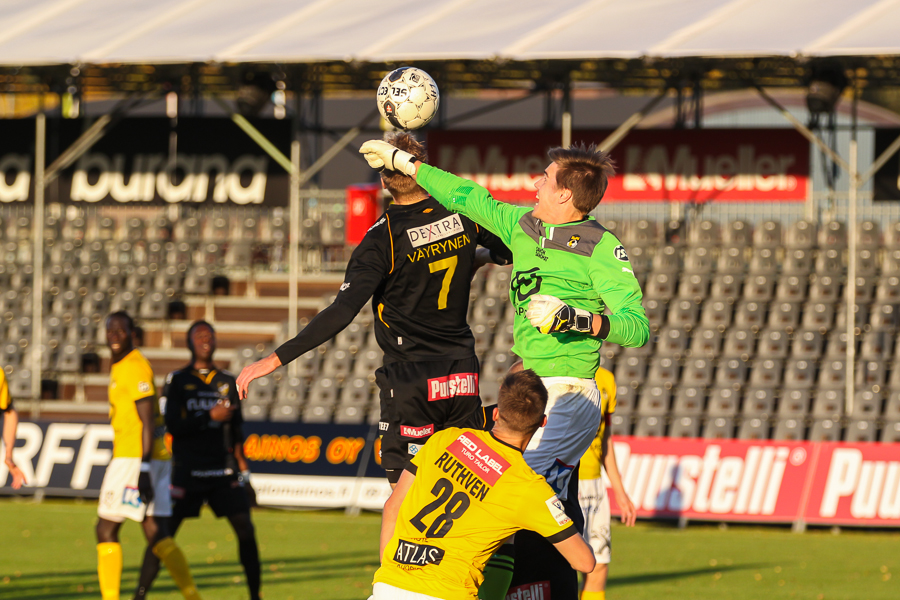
[592, 493]
[462, 495]
[136, 483]
[10, 422]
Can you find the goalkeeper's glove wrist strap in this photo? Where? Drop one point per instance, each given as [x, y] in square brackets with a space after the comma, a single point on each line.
[604, 327]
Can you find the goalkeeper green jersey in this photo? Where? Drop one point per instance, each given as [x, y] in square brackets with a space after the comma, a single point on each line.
[581, 263]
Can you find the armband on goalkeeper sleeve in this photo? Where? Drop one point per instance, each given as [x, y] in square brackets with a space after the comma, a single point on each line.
[551, 315]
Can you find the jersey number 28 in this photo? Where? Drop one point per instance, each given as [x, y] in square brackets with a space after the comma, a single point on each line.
[455, 506]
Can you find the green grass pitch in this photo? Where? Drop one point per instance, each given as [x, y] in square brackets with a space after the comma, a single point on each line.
[47, 551]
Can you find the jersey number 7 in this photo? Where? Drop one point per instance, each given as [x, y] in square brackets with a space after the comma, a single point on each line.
[455, 507]
[445, 264]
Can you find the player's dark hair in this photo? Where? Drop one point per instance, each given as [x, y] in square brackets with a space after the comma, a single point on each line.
[190, 331]
[522, 401]
[401, 184]
[122, 315]
[585, 171]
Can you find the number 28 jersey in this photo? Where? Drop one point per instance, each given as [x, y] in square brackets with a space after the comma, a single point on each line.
[471, 492]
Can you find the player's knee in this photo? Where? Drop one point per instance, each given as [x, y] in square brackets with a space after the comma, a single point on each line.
[106, 531]
[243, 527]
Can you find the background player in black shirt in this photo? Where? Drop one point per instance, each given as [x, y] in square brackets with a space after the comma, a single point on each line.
[203, 414]
[416, 264]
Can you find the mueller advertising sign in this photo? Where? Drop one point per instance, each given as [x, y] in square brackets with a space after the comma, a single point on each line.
[697, 165]
[767, 481]
[211, 162]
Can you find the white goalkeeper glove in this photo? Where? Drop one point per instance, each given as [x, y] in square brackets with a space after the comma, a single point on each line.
[381, 155]
[551, 315]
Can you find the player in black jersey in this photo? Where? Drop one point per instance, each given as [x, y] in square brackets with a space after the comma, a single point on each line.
[416, 264]
[203, 414]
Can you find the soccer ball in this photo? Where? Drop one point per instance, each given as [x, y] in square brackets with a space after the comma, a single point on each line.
[408, 98]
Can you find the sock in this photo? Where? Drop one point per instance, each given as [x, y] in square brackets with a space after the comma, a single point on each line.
[149, 570]
[593, 595]
[109, 569]
[498, 573]
[249, 554]
[171, 556]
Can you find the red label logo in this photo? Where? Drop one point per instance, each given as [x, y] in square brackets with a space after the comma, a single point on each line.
[458, 384]
[416, 432]
[530, 591]
[480, 459]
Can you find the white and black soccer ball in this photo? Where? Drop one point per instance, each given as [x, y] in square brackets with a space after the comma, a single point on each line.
[408, 98]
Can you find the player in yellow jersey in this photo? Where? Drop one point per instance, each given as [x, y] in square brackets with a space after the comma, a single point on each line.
[592, 493]
[10, 422]
[136, 483]
[462, 495]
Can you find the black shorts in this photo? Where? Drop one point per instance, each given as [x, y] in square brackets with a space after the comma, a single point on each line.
[223, 494]
[420, 398]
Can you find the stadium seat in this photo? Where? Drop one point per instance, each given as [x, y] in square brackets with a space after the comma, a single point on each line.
[661, 286]
[654, 400]
[884, 318]
[871, 374]
[837, 344]
[867, 263]
[867, 405]
[825, 430]
[750, 314]
[767, 235]
[689, 401]
[739, 343]
[350, 414]
[758, 402]
[723, 402]
[731, 372]
[656, 313]
[861, 430]
[262, 390]
[68, 359]
[754, 428]
[684, 426]
[825, 288]
[789, 430]
[706, 342]
[650, 426]
[833, 235]
[694, 287]
[890, 262]
[759, 287]
[309, 364]
[321, 401]
[684, 314]
[497, 284]
[631, 370]
[716, 313]
[721, 428]
[154, 306]
[864, 290]
[890, 432]
[737, 233]
[791, 289]
[356, 391]
[488, 389]
[868, 234]
[784, 316]
[483, 338]
[794, 403]
[351, 339]
[764, 262]
[732, 260]
[255, 411]
[887, 290]
[799, 373]
[197, 281]
[828, 404]
[487, 310]
[698, 372]
[626, 398]
[698, 261]
[20, 384]
[291, 390]
[801, 235]
[704, 233]
[773, 342]
[620, 424]
[829, 261]
[672, 342]
[643, 233]
[832, 374]
[798, 262]
[497, 364]
[640, 259]
[291, 413]
[337, 364]
[807, 344]
[726, 287]
[504, 339]
[892, 405]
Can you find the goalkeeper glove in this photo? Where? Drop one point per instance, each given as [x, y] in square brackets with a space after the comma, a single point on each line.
[145, 484]
[551, 315]
[381, 155]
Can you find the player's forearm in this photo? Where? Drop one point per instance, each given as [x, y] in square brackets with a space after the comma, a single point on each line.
[467, 198]
[629, 328]
[145, 412]
[322, 328]
[388, 523]
[10, 422]
[609, 464]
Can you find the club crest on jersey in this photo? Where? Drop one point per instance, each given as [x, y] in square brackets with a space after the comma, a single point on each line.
[143, 387]
[223, 389]
[555, 506]
[620, 253]
[439, 230]
[573, 241]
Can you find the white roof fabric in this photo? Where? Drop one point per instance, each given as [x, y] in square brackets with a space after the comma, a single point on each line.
[46, 32]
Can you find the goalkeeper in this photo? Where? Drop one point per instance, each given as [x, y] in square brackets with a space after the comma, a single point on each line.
[568, 269]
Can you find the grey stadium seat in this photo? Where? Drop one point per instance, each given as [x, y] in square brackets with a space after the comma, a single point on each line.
[773, 343]
[291, 390]
[888, 289]
[666, 260]
[488, 310]
[867, 262]
[884, 318]
[337, 364]
[799, 373]
[829, 404]
[871, 374]
[737, 233]
[754, 428]
[254, 411]
[801, 234]
[661, 286]
[758, 402]
[672, 342]
[739, 343]
[833, 235]
[716, 313]
[829, 261]
[726, 287]
[693, 287]
[750, 314]
[654, 400]
[689, 401]
[825, 430]
[759, 287]
[732, 260]
[719, 428]
[860, 430]
[892, 406]
[704, 233]
[706, 342]
[892, 236]
[656, 312]
[631, 370]
[825, 288]
[684, 314]
[868, 234]
[789, 430]
[731, 372]
[352, 338]
[837, 344]
[626, 399]
[262, 389]
[723, 402]
[890, 432]
[767, 234]
[832, 374]
[798, 263]
[684, 426]
[784, 316]
[791, 289]
[699, 261]
[867, 405]
[794, 403]
[620, 424]
[807, 344]
[650, 426]
[355, 391]
[890, 262]
[764, 262]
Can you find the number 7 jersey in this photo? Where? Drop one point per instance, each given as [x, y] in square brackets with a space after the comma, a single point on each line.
[471, 492]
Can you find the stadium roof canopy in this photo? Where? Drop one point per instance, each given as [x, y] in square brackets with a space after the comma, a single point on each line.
[348, 44]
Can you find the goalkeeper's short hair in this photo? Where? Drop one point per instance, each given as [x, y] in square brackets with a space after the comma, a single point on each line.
[401, 184]
[522, 401]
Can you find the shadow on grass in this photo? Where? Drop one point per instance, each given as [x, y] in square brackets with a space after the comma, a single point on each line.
[624, 580]
[59, 584]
